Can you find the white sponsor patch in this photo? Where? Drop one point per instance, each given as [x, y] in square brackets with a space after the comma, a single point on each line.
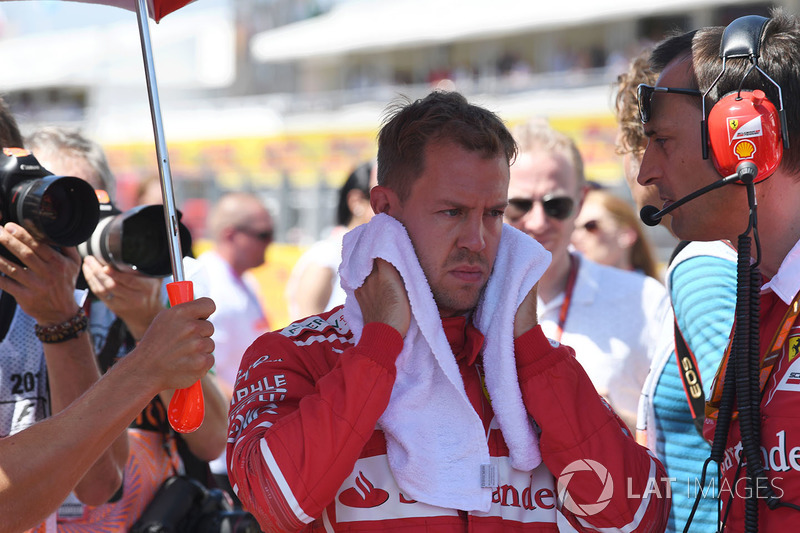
[791, 379]
[316, 323]
[749, 129]
[371, 493]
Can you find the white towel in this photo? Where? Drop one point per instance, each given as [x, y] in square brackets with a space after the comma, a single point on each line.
[436, 444]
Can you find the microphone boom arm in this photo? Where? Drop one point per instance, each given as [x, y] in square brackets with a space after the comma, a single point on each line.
[651, 216]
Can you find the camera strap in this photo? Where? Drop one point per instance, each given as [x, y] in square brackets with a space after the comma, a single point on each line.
[8, 306]
[115, 338]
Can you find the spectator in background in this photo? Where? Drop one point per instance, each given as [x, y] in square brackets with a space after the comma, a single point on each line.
[148, 191]
[610, 317]
[608, 231]
[313, 286]
[121, 307]
[701, 283]
[241, 229]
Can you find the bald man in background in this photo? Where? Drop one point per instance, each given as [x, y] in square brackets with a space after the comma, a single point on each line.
[241, 229]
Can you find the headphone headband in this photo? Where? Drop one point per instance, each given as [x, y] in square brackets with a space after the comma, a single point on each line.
[742, 37]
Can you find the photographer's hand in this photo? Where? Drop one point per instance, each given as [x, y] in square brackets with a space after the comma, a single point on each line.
[177, 348]
[45, 286]
[135, 298]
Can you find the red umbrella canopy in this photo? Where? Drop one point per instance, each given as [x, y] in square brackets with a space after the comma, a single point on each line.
[158, 8]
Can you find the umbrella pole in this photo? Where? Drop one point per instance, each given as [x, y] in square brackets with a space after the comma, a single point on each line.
[186, 408]
[167, 192]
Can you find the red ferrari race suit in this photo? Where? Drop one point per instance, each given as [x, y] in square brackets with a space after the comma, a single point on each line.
[304, 451]
[780, 428]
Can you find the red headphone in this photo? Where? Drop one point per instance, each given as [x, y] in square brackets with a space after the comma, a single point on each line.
[744, 126]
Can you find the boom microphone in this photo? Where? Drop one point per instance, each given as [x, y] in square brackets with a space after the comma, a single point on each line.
[651, 216]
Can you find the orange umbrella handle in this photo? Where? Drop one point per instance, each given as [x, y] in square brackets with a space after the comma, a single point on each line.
[186, 409]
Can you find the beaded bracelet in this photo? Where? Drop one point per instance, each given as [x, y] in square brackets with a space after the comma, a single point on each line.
[64, 331]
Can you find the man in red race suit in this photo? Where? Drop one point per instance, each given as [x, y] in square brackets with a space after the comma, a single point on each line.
[307, 443]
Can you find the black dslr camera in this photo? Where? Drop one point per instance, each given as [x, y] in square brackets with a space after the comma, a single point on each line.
[57, 210]
[183, 505]
[134, 241]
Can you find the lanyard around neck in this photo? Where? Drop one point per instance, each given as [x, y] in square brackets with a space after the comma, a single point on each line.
[574, 262]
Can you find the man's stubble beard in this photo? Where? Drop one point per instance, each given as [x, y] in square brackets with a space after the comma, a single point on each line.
[445, 299]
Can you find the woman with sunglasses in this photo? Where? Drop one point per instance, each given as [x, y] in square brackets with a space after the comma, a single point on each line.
[313, 285]
[608, 231]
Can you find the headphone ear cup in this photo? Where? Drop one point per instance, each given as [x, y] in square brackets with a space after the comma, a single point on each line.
[745, 126]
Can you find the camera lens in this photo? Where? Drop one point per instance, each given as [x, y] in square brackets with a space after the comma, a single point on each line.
[135, 241]
[60, 209]
[145, 243]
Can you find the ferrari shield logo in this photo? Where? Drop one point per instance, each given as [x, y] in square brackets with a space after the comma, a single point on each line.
[733, 123]
[794, 348]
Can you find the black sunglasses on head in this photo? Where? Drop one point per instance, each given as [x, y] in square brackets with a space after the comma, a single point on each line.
[645, 97]
[558, 207]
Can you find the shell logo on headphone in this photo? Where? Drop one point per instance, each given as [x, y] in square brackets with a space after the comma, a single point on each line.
[745, 126]
[744, 150]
